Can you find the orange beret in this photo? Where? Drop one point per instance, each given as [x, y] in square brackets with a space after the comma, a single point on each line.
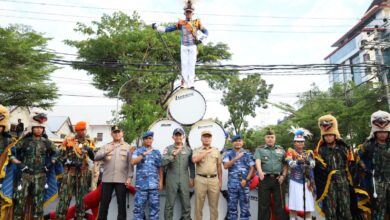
[81, 125]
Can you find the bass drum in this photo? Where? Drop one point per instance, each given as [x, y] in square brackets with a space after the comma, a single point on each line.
[219, 135]
[187, 106]
[163, 130]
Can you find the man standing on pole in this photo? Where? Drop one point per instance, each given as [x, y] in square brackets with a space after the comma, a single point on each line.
[180, 173]
[272, 172]
[192, 33]
[240, 164]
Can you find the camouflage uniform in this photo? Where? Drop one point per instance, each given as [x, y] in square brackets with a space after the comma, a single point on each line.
[376, 157]
[237, 172]
[36, 154]
[146, 184]
[179, 171]
[76, 177]
[331, 170]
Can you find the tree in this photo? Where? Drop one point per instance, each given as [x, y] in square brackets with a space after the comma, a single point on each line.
[351, 104]
[25, 68]
[242, 97]
[121, 49]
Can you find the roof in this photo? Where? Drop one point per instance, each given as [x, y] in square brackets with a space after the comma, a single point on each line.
[56, 122]
[375, 2]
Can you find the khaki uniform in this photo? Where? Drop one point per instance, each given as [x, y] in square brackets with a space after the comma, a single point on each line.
[207, 182]
[116, 169]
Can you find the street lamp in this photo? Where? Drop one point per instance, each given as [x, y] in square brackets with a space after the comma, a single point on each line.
[117, 101]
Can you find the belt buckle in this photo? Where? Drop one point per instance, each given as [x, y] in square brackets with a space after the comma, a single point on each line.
[208, 176]
[272, 175]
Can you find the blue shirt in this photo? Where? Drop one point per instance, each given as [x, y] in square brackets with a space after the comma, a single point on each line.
[187, 28]
[147, 174]
[240, 168]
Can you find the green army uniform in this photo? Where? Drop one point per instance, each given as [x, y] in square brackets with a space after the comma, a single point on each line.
[76, 178]
[33, 153]
[179, 170]
[272, 163]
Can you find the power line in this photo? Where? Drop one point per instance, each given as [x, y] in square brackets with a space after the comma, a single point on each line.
[208, 24]
[214, 30]
[175, 12]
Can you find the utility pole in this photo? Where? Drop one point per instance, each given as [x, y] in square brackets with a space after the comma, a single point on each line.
[383, 71]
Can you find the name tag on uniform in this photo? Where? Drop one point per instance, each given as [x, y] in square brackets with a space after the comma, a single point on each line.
[266, 157]
[279, 151]
[183, 152]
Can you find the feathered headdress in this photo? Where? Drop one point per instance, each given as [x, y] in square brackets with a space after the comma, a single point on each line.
[189, 5]
[300, 133]
[380, 121]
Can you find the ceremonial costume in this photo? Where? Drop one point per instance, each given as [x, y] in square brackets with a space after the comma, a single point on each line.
[374, 160]
[301, 163]
[7, 168]
[332, 177]
[74, 153]
[192, 33]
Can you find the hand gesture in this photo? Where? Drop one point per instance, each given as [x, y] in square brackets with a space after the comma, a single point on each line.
[239, 156]
[147, 152]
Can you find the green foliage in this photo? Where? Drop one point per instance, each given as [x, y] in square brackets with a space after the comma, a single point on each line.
[352, 106]
[25, 68]
[116, 49]
[242, 97]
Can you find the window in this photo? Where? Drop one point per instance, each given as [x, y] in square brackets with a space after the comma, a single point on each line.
[62, 136]
[99, 137]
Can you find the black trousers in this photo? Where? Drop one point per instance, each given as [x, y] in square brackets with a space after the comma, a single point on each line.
[268, 186]
[120, 191]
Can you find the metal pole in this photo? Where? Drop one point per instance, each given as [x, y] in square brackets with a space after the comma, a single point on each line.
[383, 72]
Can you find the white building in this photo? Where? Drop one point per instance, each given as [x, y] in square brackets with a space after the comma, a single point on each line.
[350, 50]
[100, 133]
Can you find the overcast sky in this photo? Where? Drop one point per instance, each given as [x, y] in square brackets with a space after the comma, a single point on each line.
[257, 32]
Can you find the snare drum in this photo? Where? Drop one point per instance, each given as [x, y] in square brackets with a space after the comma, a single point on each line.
[163, 132]
[219, 135]
[187, 106]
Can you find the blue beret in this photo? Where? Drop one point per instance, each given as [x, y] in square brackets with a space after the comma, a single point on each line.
[236, 137]
[148, 134]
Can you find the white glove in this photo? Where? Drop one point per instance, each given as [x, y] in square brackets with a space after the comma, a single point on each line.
[201, 36]
[160, 29]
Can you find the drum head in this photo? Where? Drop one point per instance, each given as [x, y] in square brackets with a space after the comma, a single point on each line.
[163, 130]
[187, 106]
[219, 136]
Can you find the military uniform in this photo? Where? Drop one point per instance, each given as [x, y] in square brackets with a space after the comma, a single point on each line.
[146, 184]
[74, 154]
[179, 170]
[237, 172]
[116, 157]
[33, 152]
[272, 162]
[207, 182]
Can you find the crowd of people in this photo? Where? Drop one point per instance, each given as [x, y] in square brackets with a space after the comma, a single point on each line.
[340, 182]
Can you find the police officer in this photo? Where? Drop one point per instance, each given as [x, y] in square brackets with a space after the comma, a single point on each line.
[35, 155]
[74, 153]
[180, 173]
[272, 172]
[240, 164]
[149, 178]
[208, 179]
[374, 159]
[117, 173]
